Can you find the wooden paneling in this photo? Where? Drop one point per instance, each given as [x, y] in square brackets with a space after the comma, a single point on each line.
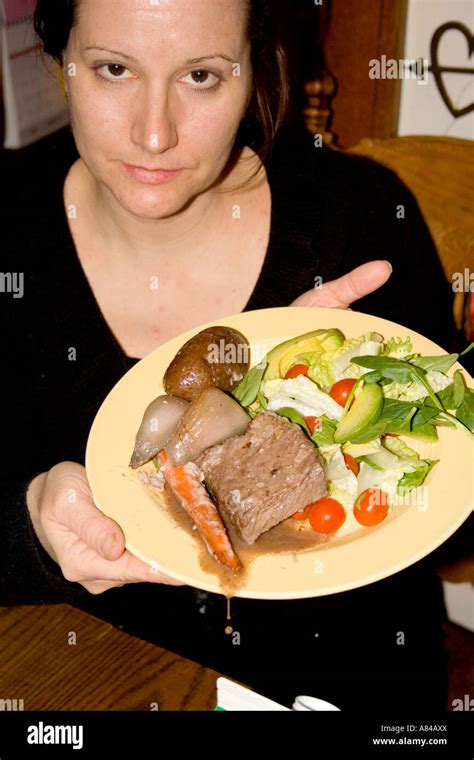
[359, 31]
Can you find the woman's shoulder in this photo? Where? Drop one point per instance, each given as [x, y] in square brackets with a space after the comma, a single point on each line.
[34, 178]
[299, 158]
[32, 174]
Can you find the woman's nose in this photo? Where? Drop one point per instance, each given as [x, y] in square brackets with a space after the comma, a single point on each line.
[153, 125]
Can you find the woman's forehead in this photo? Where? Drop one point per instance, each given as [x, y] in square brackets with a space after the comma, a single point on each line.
[176, 22]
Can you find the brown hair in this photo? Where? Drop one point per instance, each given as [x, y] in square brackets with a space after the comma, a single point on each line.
[268, 106]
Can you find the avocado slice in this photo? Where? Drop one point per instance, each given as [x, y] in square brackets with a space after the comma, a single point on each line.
[364, 412]
[282, 357]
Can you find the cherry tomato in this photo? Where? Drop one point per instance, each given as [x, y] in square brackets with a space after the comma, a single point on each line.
[340, 390]
[313, 423]
[297, 369]
[371, 506]
[302, 515]
[351, 463]
[326, 515]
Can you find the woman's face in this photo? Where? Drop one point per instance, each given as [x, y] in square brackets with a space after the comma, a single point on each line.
[167, 90]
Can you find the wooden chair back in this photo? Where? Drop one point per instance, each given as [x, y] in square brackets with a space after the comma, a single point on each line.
[440, 173]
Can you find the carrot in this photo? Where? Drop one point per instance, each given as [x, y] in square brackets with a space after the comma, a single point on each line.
[186, 486]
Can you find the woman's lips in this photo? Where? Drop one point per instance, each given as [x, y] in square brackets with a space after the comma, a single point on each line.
[148, 177]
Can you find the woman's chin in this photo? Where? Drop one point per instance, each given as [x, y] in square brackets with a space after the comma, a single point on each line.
[158, 204]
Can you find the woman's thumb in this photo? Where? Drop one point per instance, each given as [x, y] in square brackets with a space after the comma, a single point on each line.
[112, 541]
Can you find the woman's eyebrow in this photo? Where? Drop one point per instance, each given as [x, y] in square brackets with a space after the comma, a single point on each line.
[114, 52]
[189, 62]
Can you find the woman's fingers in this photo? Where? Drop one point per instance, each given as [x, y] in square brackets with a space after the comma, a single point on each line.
[96, 547]
[82, 564]
[88, 546]
[102, 534]
[74, 508]
[341, 293]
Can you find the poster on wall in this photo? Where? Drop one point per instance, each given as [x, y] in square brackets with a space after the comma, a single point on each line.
[32, 99]
[439, 38]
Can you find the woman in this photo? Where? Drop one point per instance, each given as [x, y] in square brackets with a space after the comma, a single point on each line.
[168, 187]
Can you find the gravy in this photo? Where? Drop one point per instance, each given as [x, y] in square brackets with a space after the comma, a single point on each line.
[287, 537]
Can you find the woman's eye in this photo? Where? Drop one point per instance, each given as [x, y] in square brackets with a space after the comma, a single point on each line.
[113, 71]
[201, 79]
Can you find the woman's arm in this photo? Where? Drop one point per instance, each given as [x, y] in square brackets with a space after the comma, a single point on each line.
[28, 575]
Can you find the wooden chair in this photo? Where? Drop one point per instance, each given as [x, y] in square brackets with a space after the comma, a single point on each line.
[440, 173]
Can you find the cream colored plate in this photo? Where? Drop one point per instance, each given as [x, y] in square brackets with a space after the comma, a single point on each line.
[357, 556]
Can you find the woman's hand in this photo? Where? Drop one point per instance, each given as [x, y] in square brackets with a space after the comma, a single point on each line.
[88, 546]
[340, 293]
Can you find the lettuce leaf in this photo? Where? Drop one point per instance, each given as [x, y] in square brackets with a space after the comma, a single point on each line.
[328, 368]
[324, 435]
[417, 477]
[301, 394]
[398, 346]
[341, 481]
[362, 449]
[414, 391]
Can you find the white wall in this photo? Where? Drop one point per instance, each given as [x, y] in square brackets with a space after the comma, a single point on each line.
[423, 111]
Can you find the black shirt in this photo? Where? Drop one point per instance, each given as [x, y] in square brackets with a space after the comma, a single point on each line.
[330, 212]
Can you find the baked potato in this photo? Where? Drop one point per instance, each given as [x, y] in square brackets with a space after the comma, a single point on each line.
[217, 357]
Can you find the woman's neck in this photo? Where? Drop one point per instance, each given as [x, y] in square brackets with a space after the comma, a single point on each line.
[131, 238]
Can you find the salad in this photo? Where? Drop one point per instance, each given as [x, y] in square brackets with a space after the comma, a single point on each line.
[357, 399]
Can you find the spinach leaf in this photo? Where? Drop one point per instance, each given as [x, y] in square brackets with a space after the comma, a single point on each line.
[428, 429]
[395, 417]
[424, 414]
[451, 396]
[254, 409]
[397, 411]
[293, 416]
[389, 367]
[248, 388]
[372, 377]
[465, 411]
[438, 363]
[459, 389]
[445, 419]
[400, 371]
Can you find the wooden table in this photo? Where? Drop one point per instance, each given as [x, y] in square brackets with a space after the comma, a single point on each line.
[107, 669]
[56, 657]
